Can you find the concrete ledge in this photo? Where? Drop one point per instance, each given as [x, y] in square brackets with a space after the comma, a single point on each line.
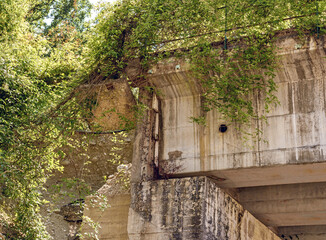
[190, 208]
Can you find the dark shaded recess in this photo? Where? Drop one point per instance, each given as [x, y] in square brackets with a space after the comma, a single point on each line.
[223, 128]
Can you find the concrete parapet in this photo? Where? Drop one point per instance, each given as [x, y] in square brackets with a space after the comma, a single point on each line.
[190, 208]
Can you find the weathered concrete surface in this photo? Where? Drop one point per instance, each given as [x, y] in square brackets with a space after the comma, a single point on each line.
[111, 103]
[273, 175]
[190, 208]
[112, 219]
[286, 205]
[303, 233]
[295, 133]
[146, 140]
[89, 157]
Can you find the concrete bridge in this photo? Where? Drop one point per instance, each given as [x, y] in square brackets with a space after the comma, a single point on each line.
[218, 187]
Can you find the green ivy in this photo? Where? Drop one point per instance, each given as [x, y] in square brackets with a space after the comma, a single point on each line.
[35, 78]
[230, 44]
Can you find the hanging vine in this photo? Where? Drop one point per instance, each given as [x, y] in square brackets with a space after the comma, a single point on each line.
[244, 62]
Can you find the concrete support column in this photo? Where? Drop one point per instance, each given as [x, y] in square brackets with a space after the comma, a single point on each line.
[190, 209]
[143, 165]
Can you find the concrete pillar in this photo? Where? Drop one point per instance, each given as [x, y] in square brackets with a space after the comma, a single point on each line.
[190, 209]
[143, 166]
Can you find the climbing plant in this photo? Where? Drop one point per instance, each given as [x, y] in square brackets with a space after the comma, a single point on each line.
[229, 44]
[35, 80]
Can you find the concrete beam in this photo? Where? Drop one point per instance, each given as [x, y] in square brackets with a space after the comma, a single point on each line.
[286, 205]
[317, 232]
[272, 175]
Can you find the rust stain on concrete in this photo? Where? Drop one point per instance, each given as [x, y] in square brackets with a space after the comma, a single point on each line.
[202, 147]
[175, 155]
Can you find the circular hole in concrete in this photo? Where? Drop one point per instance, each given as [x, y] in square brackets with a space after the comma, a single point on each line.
[223, 128]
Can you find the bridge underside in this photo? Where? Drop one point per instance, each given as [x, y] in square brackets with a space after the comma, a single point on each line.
[264, 176]
[282, 181]
[296, 210]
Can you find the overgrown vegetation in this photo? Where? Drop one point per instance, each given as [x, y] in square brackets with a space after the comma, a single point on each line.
[228, 43]
[36, 75]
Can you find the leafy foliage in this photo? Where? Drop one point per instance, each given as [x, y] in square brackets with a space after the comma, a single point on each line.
[34, 79]
[229, 44]
[51, 14]
[11, 17]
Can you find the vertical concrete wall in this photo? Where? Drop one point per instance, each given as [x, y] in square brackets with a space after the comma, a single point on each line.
[190, 209]
[295, 132]
[111, 104]
[143, 160]
[88, 159]
[111, 219]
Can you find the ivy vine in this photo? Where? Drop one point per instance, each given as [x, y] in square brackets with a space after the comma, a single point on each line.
[230, 44]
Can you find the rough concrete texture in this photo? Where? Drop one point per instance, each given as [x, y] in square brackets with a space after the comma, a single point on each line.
[91, 155]
[112, 220]
[85, 166]
[143, 162]
[286, 205]
[295, 133]
[190, 208]
[111, 104]
[303, 233]
[312, 236]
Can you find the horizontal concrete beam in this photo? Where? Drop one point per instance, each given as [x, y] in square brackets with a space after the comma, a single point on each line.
[293, 218]
[272, 175]
[286, 205]
[283, 192]
[316, 229]
[304, 237]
